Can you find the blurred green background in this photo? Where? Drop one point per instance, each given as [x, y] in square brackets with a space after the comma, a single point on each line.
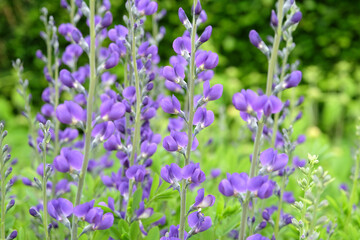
[327, 42]
[328, 47]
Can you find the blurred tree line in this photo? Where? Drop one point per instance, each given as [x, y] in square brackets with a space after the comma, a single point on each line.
[327, 42]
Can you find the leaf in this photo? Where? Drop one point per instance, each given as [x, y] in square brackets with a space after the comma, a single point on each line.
[154, 185]
[228, 224]
[136, 199]
[153, 218]
[101, 235]
[134, 230]
[154, 233]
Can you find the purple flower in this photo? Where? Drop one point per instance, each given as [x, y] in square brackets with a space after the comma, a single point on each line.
[293, 80]
[193, 174]
[98, 219]
[176, 74]
[261, 186]
[82, 210]
[234, 184]
[255, 39]
[198, 8]
[296, 17]
[119, 32]
[206, 60]
[202, 201]
[215, 172]
[148, 149]
[113, 60]
[106, 20]
[268, 105]
[198, 222]
[212, 93]
[274, 20]
[12, 235]
[205, 36]
[173, 234]
[145, 7]
[299, 162]
[170, 105]
[143, 212]
[182, 16]
[273, 161]
[172, 174]
[103, 131]
[68, 134]
[257, 237]
[136, 172]
[69, 113]
[203, 117]
[182, 46]
[69, 160]
[111, 110]
[177, 141]
[288, 197]
[60, 209]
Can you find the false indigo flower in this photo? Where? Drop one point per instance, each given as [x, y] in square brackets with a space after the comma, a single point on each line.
[82, 210]
[103, 131]
[98, 219]
[296, 17]
[205, 36]
[212, 93]
[288, 197]
[293, 80]
[202, 201]
[172, 174]
[298, 162]
[198, 222]
[170, 105]
[176, 74]
[146, 7]
[60, 209]
[261, 186]
[268, 105]
[257, 237]
[182, 46]
[143, 213]
[136, 172]
[69, 113]
[206, 60]
[111, 110]
[203, 118]
[273, 161]
[193, 174]
[69, 160]
[234, 184]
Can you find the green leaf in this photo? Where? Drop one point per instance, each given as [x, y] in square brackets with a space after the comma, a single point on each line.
[153, 218]
[101, 235]
[154, 185]
[154, 233]
[134, 230]
[228, 224]
[136, 199]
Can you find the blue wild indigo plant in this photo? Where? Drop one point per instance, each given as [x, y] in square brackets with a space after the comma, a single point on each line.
[97, 170]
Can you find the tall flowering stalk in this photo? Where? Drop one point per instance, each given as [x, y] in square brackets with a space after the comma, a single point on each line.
[198, 63]
[5, 187]
[257, 111]
[90, 104]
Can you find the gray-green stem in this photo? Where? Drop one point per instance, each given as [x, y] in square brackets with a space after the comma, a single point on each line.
[72, 12]
[270, 77]
[3, 191]
[136, 139]
[191, 86]
[277, 222]
[44, 217]
[354, 187]
[89, 108]
[277, 115]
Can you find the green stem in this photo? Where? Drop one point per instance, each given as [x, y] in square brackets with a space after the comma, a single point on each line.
[277, 115]
[155, 28]
[270, 77]
[252, 174]
[282, 188]
[89, 111]
[136, 139]
[72, 12]
[56, 121]
[45, 220]
[191, 86]
[3, 191]
[354, 187]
